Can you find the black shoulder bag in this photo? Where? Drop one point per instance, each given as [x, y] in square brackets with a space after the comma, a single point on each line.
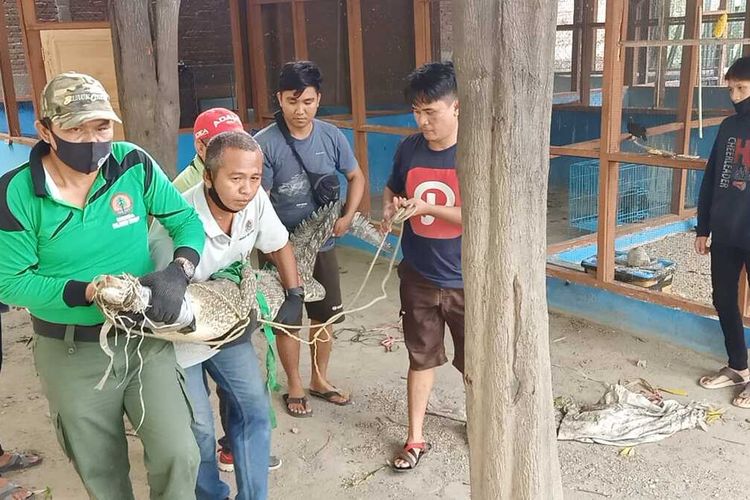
[326, 188]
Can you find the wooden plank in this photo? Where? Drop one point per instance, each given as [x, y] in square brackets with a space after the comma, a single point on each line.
[688, 79]
[357, 80]
[556, 151]
[684, 43]
[10, 139]
[299, 27]
[238, 56]
[587, 50]
[656, 161]
[615, 30]
[33, 50]
[339, 123]
[635, 292]
[88, 51]
[385, 129]
[746, 34]
[422, 36]
[67, 25]
[590, 149]
[257, 61]
[6, 79]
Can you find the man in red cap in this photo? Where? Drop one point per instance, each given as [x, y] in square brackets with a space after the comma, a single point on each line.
[207, 125]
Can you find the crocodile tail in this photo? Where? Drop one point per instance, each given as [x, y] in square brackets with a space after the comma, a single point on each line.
[363, 229]
[311, 234]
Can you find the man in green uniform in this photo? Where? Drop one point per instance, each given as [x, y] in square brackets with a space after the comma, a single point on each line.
[79, 209]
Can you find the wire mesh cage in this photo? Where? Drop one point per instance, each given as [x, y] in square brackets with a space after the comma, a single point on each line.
[642, 192]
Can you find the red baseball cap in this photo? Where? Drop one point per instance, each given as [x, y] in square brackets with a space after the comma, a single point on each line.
[214, 121]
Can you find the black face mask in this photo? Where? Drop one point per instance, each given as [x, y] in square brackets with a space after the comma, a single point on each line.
[217, 199]
[84, 157]
[742, 107]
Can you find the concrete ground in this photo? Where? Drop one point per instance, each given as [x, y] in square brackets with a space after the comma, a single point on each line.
[340, 453]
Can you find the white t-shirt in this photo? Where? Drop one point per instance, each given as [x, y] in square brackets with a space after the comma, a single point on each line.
[255, 226]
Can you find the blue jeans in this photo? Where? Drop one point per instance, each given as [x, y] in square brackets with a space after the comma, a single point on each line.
[234, 369]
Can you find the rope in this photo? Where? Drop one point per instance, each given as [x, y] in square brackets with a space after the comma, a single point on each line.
[127, 298]
[401, 216]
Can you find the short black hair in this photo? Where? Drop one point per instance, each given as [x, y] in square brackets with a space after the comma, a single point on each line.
[298, 75]
[221, 142]
[431, 82]
[739, 70]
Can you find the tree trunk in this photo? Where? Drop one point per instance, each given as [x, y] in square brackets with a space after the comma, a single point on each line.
[504, 57]
[144, 40]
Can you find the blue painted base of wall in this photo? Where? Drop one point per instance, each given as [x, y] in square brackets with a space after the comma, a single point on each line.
[618, 311]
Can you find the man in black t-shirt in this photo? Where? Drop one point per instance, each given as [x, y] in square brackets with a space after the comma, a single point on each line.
[424, 177]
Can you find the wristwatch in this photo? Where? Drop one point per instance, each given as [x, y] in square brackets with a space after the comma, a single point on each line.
[298, 290]
[187, 267]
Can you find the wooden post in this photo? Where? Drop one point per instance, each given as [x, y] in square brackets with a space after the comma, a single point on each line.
[630, 55]
[299, 30]
[359, 105]
[746, 48]
[688, 78]
[6, 75]
[722, 49]
[644, 13]
[238, 55]
[661, 63]
[587, 50]
[575, 59]
[422, 36]
[33, 48]
[257, 61]
[615, 29]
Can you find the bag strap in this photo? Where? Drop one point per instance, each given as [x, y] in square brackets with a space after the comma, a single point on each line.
[281, 124]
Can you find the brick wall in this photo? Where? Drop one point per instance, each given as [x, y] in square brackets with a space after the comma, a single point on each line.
[205, 46]
[205, 54]
[71, 10]
[16, 48]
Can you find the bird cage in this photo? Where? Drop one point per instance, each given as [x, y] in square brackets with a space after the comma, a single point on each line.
[643, 192]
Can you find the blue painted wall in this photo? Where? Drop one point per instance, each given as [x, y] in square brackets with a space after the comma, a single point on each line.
[25, 116]
[12, 156]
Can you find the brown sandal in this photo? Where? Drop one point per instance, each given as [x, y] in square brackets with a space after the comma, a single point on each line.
[297, 401]
[411, 457]
[732, 378]
[745, 394]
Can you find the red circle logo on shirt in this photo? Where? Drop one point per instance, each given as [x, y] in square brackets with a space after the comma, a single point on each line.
[435, 186]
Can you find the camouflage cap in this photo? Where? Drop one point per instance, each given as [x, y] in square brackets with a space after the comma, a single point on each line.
[70, 99]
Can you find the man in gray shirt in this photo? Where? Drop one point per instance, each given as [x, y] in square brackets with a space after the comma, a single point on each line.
[303, 158]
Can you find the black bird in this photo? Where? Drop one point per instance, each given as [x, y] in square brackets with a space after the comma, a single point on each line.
[636, 130]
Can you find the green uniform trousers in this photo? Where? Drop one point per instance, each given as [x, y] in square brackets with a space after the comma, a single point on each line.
[89, 422]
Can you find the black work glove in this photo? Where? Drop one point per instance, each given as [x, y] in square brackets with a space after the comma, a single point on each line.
[167, 293]
[290, 312]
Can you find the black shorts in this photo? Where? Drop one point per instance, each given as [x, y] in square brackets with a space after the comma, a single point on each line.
[326, 272]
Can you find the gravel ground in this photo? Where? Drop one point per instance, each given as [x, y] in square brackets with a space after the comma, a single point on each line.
[693, 274]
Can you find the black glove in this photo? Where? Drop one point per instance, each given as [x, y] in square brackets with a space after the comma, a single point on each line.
[167, 293]
[290, 312]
